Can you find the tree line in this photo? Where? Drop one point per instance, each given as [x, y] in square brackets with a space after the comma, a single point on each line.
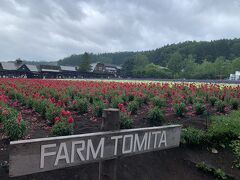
[187, 68]
[190, 59]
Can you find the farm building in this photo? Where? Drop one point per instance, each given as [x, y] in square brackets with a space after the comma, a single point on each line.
[235, 76]
[105, 68]
[20, 69]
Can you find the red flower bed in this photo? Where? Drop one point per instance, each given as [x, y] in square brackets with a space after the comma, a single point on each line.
[58, 101]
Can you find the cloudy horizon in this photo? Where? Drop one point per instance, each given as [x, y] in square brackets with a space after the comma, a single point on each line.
[51, 30]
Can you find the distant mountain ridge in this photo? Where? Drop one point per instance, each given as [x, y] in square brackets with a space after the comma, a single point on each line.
[209, 50]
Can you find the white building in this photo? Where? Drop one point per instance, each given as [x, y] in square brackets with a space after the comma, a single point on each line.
[235, 76]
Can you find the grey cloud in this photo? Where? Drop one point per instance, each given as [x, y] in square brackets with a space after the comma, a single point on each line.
[53, 29]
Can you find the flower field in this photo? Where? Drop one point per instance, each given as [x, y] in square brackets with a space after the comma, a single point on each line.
[35, 108]
[62, 106]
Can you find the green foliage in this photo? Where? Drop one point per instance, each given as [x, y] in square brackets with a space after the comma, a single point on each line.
[235, 145]
[190, 99]
[81, 106]
[85, 64]
[179, 109]
[7, 113]
[30, 102]
[175, 62]
[133, 107]
[140, 100]
[234, 104]
[51, 112]
[199, 108]
[203, 166]
[190, 59]
[155, 116]
[154, 70]
[40, 106]
[13, 129]
[158, 102]
[116, 101]
[212, 100]
[224, 128]
[98, 108]
[140, 61]
[11, 94]
[130, 97]
[220, 174]
[126, 121]
[220, 106]
[217, 173]
[192, 136]
[222, 131]
[61, 128]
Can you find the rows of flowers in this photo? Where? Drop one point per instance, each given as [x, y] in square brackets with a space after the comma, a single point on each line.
[13, 123]
[57, 101]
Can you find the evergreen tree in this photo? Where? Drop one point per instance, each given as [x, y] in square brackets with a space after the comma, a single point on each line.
[86, 63]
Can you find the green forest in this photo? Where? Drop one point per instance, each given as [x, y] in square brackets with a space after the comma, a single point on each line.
[191, 60]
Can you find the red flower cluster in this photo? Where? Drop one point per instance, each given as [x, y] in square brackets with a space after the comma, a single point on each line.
[19, 117]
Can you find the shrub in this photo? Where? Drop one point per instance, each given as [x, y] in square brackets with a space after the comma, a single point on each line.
[192, 136]
[133, 107]
[179, 109]
[155, 116]
[224, 128]
[190, 99]
[98, 108]
[116, 101]
[217, 173]
[235, 145]
[202, 166]
[220, 106]
[130, 97]
[11, 94]
[20, 98]
[30, 102]
[158, 102]
[125, 121]
[91, 100]
[140, 100]
[7, 113]
[51, 112]
[212, 100]
[199, 108]
[81, 106]
[13, 128]
[40, 106]
[234, 104]
[62, 128]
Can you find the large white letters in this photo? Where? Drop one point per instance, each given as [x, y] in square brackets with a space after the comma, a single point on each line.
[45, 154]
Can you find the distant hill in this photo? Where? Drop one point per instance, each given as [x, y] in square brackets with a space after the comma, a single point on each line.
[109, 58]
[209, 50]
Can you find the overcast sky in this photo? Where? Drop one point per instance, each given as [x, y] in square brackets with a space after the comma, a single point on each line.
[53, 29]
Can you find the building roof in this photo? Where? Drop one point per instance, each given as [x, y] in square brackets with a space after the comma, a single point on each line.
[32, 68]
[119, 67]
[68, 68]
[93, 65]
[9, 66]
[111, 68]
[49, 70]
